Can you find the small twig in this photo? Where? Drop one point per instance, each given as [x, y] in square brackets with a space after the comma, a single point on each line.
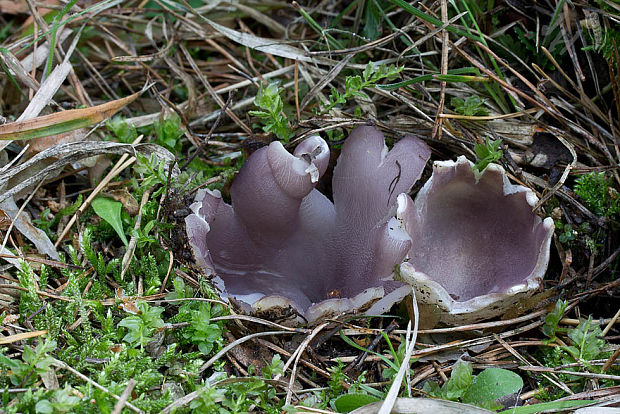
[577, 374]
[437, 127]
[611, 323]
[120, 404]
[296, 356]
[131, 247]
[612, 359]
[78, 374]
[47, 262]
[234, 344]
[510, 349]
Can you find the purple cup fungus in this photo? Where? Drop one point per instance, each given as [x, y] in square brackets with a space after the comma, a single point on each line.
[283, 249]
[477, 247]
[470, 246]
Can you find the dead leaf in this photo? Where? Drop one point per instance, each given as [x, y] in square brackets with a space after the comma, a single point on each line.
[25, 227]
[65, 121]
[123, 196]
[5, 221]
[13, 7]
[39, 144]
[46, 92]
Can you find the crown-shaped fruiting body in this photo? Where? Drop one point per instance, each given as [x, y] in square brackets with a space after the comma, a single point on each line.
[284, 245]
[471, 246]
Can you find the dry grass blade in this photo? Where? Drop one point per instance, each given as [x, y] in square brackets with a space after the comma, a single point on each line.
[392, 395]
[271, 46]
[20, 337]
[45, 93]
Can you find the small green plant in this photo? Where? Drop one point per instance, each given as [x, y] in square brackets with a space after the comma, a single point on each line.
[470, 106]
[201, 331]
[453, 389]
[110, 210]
[523, 43]
[553, 318]
[96, 260]
[354, 85]
[337, 378]
[482, 390]
[566, 232]
[122, 130]
[208, 400]
[61, 402]
[486, 153]
[153, 173]
[168, 133]
[357, 394]
[272, 114]
[140, 327]
[35, 362]
[597, 192]
[584, 345]
[276, 367]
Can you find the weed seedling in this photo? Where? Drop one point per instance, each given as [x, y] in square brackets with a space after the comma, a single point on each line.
[272, 115]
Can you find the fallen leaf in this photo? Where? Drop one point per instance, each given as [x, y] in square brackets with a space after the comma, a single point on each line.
[126, 198]
[5, 221]
[65, 121]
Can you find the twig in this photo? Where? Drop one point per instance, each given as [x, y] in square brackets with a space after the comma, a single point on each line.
[611, 323]
[120, 404]
[510, 349]
[577, 374]
[131, 247]
[78, 374]
[296, 356]
[234, 344]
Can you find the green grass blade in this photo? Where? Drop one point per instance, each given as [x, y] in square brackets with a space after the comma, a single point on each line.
[432, 20]
[454, 75]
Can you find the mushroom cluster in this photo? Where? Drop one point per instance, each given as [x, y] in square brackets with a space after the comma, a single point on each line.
[283, 248]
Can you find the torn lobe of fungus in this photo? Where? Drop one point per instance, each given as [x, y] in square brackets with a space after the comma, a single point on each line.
[283, 243]
[480, 248]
